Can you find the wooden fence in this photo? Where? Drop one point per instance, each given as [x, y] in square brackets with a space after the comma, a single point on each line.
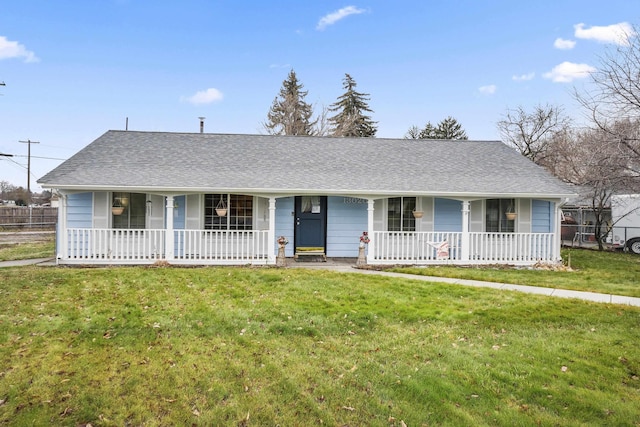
[12, 217]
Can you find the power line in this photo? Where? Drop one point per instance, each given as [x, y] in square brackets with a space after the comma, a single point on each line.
[37, 157]
[13, 161]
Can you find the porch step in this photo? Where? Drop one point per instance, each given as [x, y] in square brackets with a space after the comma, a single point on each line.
[310, 256]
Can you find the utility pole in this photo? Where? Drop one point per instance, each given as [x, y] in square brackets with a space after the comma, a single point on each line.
[29, 142]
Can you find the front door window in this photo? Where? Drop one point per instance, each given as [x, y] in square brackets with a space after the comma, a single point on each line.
[310, 204]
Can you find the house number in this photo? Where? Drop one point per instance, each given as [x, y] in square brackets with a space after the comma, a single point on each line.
[353, 200]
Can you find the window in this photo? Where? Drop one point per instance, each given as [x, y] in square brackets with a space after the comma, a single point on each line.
[400, 214]
[239, 214]
[496, 218]
[134, 210]
[310, 204]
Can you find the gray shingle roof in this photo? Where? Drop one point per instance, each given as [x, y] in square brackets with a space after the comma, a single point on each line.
[163, 161]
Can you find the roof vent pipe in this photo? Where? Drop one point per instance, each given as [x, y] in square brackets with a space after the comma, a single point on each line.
[202, 124]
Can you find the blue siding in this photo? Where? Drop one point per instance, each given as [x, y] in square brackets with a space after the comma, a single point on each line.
[179, 212]
[79, 215]
[179, 219]
[346, 220]
[447, 215]
[284, 222]
[541, 216]
[80, 210]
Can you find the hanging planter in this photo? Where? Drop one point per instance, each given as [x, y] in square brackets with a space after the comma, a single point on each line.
[118, 207]
[417, 214]
[510, 213]
[221, 207]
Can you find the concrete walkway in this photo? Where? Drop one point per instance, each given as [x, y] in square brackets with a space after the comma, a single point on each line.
[348, 266]
[23, 262]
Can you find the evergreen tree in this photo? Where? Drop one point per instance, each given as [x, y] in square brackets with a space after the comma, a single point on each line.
[429, 132]
[413, 133]
[448, 128]
[351, 107]
[290, 114]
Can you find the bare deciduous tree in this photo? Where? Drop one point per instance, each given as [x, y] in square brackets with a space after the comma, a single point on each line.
[531, 133]
[613, 99]
[322, 126]
[584, 158]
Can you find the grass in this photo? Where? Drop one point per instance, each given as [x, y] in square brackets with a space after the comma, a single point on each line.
[243, 346]
[28, 250]
[593, 271]
[605, 272]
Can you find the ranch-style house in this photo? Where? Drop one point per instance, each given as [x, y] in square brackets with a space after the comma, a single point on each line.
[134, 197]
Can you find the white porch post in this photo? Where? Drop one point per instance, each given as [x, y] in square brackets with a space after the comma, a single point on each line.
[372, 244]
[271, 236]
[169, 238]
[465, 240]
[61, 235]
[557, 240]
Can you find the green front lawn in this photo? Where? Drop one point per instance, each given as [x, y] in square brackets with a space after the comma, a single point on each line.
[586, 270]
[263, 346]
[28, 250]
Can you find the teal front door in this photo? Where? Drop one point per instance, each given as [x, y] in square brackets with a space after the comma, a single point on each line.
[310, 225]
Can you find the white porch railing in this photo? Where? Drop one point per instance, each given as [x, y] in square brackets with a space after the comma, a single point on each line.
[148, 245]
[415, 247]
[100, 244]
[230, 247]
[442, 247]
[516, 248]
[80, 245]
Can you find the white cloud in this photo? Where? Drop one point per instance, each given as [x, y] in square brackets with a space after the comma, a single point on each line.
[568, 72]
[488, 89]
[336, 16]
[616, 33]
[279, 65]
[11, 49]
[524, 77]
[204, 97]
[564, 44]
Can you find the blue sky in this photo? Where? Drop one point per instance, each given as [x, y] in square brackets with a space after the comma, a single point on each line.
[75, 69]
